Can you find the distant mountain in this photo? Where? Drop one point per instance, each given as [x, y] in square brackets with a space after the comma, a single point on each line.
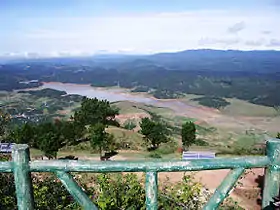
[248, 75]
[188, 60]
[217, 60]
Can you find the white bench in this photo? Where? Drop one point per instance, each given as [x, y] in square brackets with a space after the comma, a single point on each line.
[190, 155]
[6, 147]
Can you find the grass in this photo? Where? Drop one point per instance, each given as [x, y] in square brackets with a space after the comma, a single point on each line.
[127, 107]
[123, 136]
[217, 137]
[244, 108]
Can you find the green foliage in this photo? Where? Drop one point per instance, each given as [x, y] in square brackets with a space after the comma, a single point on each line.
[230, 204]
[100, 139]
[168, 148]
[24, 134]
[110, 192]
[47, 92]
[188, 134]
[116, 191]
[200, 142]
[213, 102]
[154, 133]
[187, 194]
[278, 135]
[155, 154]
[49, 136]
[70, 131]
[7, 191]
[4, 121]
[48, 193]
[94, 111]
[49, 139]
[129, 124]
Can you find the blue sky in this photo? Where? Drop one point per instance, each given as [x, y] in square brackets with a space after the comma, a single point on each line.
[60, 27]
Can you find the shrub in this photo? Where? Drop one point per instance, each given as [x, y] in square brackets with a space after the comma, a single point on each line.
[48, 193]
[186, 194]
[129, 124]
[117, 191]
[154, 154]
[168, 147]
[110, 192]
[200, 142]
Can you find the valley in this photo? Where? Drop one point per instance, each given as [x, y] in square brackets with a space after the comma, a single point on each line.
[234, 112]
[228, 126]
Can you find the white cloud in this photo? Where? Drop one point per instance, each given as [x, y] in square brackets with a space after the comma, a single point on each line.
[153, 32]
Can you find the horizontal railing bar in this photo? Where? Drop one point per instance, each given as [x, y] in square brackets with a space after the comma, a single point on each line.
[6, 166]
[144, 166]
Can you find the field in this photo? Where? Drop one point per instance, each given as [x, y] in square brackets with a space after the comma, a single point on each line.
[226, 131]
[240, 124]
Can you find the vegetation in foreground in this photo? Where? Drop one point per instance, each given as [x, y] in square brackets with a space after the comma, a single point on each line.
[110, 192]
[89, 123]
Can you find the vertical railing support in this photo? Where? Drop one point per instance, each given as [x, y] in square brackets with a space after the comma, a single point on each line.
[223, 190]
[75, 190]
[272, 173]
[24, 190]
[151, 190]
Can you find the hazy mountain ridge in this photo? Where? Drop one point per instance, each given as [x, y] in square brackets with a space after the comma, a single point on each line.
[188, 60]
[248, 75]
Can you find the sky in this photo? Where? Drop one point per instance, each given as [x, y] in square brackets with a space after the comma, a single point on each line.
[83, 27]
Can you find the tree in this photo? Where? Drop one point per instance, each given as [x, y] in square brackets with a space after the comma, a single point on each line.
[154, 133]
[278, 135]
[71, 132]
[49, 139]
[24, 134]
[4, 121]
[94, 111]
[188, 134]
[130, 124]
[100, 139]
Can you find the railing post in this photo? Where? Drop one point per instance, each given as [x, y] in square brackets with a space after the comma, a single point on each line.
[151, 190]
[272, 175]
[24, 190]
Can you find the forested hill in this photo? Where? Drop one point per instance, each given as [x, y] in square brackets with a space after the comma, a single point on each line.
[189, 60]
[249, 75]
[217, 60]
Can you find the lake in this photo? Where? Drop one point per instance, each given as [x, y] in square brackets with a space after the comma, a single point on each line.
[113, 95]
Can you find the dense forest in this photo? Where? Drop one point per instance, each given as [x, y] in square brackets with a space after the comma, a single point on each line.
[252, 76]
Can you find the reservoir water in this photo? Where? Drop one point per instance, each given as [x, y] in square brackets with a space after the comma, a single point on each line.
[113, 95]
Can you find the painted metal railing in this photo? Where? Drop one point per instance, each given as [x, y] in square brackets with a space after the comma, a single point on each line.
[21, 167]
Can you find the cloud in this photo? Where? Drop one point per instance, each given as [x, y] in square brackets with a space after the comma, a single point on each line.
[51, 34]
[255, 43]
[236, 27]
[274, 43]
[226, 41]
[142, 33]
[266, 32]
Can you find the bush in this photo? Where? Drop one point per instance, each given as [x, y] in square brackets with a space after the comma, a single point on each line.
[129, 124]
[117, 191]
[168, 148]
[186, 194]
[48, 193]
[213, 102]
[200, 142]
[110, 192]
[154, 154]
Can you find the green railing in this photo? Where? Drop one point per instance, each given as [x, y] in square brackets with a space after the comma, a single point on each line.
[21, 166]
